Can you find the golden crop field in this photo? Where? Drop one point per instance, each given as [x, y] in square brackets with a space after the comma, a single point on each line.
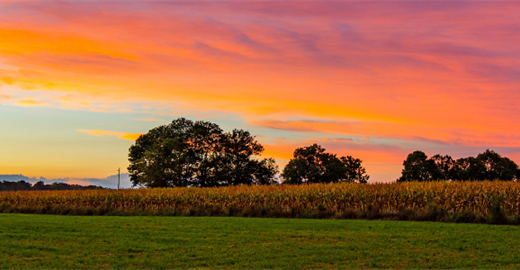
[315, 200]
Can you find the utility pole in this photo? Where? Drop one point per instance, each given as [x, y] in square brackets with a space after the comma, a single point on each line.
[118, 177]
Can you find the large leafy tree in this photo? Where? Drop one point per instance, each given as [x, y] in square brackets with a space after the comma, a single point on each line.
[446, 166]
[497, 167]
[187, 153]
[417, 167]
[312, 164]
[486, 166]
[355, 172]
[235, 165]
[469, 168]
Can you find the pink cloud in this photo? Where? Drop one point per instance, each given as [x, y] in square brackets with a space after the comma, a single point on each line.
[78, 182]
[305, 125]
[4, 97]
[422, 73]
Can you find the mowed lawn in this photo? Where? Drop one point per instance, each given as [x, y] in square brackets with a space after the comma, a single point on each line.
[48, 241]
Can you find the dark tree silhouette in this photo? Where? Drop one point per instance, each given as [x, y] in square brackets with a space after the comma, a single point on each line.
[486, 166]
[498, 167]
[186, 153]
[470, 168]
[417, 167]
[22, 185]
[355, 172]
[312, 164]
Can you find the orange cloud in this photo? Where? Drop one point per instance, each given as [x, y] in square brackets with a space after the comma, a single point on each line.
[4, 97]
[21, 42]
[121, 135]
[413, 75]
[280, 151]
[263, 70]
[468, 136]
[29, 103]
[7, 80]
[307, 125]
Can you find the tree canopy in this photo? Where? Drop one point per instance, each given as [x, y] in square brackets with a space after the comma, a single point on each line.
[417, 166]
[312, 164]
[187, 153]
[486, 166]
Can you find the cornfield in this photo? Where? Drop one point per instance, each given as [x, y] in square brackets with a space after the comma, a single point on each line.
[445, 201]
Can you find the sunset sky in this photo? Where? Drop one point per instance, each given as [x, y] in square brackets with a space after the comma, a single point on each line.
[377, 80]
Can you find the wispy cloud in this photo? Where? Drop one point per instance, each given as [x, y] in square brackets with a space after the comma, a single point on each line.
[4, 97]
[338, 139]
[7, 67]
[307, 125]
[29, 103]
[149, 119]
[415, 74]
[121, 135]
[329, 140]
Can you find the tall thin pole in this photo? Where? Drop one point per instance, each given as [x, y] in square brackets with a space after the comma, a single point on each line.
[118, 177]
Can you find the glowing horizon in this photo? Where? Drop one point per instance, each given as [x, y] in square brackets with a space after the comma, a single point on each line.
[375, 80]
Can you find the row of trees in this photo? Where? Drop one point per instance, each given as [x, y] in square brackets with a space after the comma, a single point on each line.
[486, 166]
[22, 185]
[199, 154]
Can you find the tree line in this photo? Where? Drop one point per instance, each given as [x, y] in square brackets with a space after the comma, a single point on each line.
[189, 153]
[486, 166]
[22, 185]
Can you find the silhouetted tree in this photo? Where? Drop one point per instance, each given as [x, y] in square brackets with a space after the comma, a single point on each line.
[446, 166]
[186, 153]
[14, 186]
[312, 164]
[486, 166]
[39, 186]
[22, 185]
[417, 167]
[470, 168]
[498, 167]
[355, 172]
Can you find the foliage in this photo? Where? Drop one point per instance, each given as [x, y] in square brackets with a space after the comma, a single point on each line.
[497, 167]
[186, 153]
[440, 201]
[312, 164]
[445, 167]
[417, 167]
[486, 166]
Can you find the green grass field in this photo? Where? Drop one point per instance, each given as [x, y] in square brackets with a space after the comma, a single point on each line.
[48, 241]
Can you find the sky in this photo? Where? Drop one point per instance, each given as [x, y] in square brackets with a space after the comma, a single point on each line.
[377, 80]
